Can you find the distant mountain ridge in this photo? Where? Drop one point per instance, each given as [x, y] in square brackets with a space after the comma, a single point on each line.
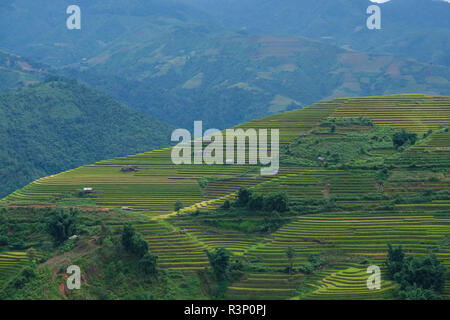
[416, 28]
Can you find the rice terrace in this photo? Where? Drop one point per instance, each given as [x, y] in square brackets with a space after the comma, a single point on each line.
[356, 174]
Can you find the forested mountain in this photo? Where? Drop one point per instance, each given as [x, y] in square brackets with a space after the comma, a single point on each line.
[59, 124]
[168, 57]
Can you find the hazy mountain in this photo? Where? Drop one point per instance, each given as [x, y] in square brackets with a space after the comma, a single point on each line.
[417, 28]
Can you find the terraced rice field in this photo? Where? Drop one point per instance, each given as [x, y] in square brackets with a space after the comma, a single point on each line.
[174, 250]
[301, 183]
[350, 284]
[358, 234]
[434, 152]
[416, 113]
[213, 238]
[10, 262]
[265, 286]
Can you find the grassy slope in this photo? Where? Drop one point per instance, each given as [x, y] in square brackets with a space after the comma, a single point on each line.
[351, 234]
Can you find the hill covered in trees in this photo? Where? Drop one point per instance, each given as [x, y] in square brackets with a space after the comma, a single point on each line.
[59, 124]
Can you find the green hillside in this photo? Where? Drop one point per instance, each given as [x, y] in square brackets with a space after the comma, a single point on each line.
[58, 125]
[372, 186]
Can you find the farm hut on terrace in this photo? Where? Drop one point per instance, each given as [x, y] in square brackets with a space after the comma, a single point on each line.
[302, 134]
[128, 169]
[88, 190]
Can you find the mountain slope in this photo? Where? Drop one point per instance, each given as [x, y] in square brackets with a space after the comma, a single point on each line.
[342, 211]
[59, 124]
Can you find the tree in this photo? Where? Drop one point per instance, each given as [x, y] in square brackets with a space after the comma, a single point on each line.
[148, 263]
[220, 262]
[243, 197]
[128, 233]
[61, 225]
[425, 272]
[290, 253]
[139, 245]
[403, 137]
[394, 261]
[416, 293]
[276, 202]
[133, 241]
[256, 201]
[419, 277]
[178, 205]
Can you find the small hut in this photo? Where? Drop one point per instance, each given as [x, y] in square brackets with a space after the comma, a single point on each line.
[302, 134]
[128, 169]
[321, 159]
[229, 162]
[126, 208]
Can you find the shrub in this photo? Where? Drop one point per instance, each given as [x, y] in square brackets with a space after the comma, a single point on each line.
[403, 137]
[419, 277]
[61, 225]
[147, 264]
[256, 201]
[244, 195]
[133, 241]
[226, 205]
[276, 202]
[220, 262]
[178, 205]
